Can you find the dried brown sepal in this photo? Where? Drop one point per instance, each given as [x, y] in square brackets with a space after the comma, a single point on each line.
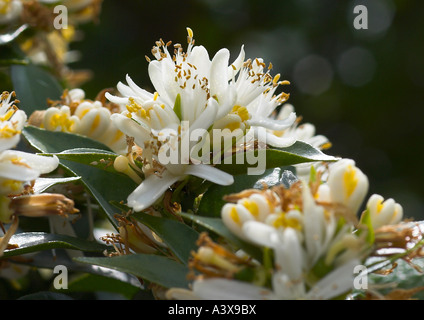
[407, 236]
[41, 205]
[221, 263]
[396, 294]
[37, 15]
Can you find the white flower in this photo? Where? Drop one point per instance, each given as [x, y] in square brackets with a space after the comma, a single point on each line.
[85, 117]
[348, 184]
[10, 10]
[16, 167]
[384, 212]
[302, 233]
[335, 283]
[12, 121]
[204, 93]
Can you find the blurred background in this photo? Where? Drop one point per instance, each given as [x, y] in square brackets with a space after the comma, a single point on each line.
[362, 88]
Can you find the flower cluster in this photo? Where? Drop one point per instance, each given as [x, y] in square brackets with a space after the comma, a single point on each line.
[313, 232]
[196, 94]
[166, 183]
[76, 114]
[18, 170]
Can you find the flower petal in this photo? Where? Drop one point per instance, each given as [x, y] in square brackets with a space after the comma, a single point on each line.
[224, 289]
[210, 173]
[151, 190]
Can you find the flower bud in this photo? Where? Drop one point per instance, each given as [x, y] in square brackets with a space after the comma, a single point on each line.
[384, 212]
[348, 184]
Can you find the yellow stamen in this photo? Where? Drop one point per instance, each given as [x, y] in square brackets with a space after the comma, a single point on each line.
[286, 222]
[252, 207]
[350, 181]
[234, 215]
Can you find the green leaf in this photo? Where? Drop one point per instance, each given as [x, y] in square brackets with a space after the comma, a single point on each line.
[216, 226]
[180, 238]
[46, 295]
[153, 268]
[82, 157]
[105, 186]
[55, 142]
[33, 86]
[299, 152]
[404, 276]
[42, 184]
[96, 158]
[367, 224]
[212, 200]
[36, 241]
[94, 282]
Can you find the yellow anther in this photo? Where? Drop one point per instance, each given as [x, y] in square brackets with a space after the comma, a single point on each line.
[287, 222]
[190, 32]
[276, 78]
[234, 215]
[350, 180]
[241, 112]
[8, 132]
[8, 115]
[155, 96]
[252, 207]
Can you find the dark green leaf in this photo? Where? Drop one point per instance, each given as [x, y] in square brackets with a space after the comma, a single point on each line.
[94, 282]
[105, 186]
[82, 157]
[46, 295]
[404, 276]
[36, 241]
[180, 238]
[299, 152]
[157, 269]
[33, 86]
[55, 142]
[42, 184]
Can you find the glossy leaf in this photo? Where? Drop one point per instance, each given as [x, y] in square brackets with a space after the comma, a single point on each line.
[105, 186]
[34, 86]
[43, 184]
[299, 152]
[179, 237]
[153, 268]
[55, 142]
[29, 242]
[94, 282]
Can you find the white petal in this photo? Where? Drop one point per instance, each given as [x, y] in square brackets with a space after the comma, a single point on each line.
[234, 68]
[259, 233]
[218, 78]
[273, 124]
[131, 128]
[115, 99]
[225, 289]
[156, 77]
[144, 94]
[151, 190]
[279, 142]
[335, 283]
[210, 173]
